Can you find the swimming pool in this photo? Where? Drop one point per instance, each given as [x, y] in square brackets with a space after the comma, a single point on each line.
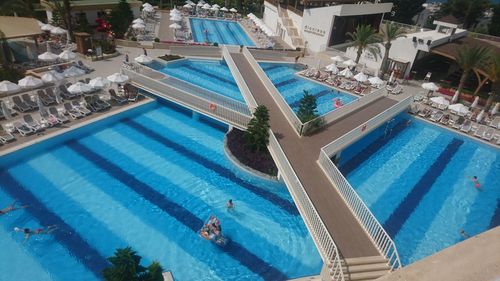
[208, 74]
[148, 181]
[220, 31]
[292, 87]
[416, 181]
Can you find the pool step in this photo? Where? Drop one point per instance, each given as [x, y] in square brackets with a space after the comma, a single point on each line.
[365, 268]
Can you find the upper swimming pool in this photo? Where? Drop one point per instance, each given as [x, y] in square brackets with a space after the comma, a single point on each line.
[147, 179]
[416, 179]
[219, 31]
[208, 74]
[292, 87]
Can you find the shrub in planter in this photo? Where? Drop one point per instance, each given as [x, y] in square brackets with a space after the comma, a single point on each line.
[157, 39]
[216, 44]
[107, 46]
[133, 39]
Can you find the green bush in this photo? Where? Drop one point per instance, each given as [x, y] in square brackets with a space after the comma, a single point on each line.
[133, 38]
[125, 265]
[11, 74]
[157, 39]
[257, 133]
[107, 46]
[216, 44]
[121, 17]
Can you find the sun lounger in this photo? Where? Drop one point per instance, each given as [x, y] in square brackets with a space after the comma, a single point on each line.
[458, 124]
[34, 124]
[83, 110]
[46, 99]
[82, 66]
[116, 97]
[59, 116]
[397, 90]
[27, 99]
[50, 119]
[436, 116]
[87, 80]
[442, 106]
[495, 123]
[73, 113]
[103, 104]
[424, 113]
[5, 136]
[466, 126]
[23, 128]
[445, 120]
[89, 102]
[488, 135]
[65, 93]
[20, 105]
[480, 131]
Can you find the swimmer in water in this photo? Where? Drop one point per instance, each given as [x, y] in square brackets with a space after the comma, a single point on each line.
[230, 205]
[477, 185]
[28, 232]
[10, 208]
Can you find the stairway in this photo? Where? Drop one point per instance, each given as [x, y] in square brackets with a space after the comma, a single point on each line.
[291, 29]
[365, 268]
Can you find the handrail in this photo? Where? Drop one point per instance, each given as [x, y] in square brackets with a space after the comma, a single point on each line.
[277, 97]
[247, 95]
[368, 221]
[197, 102]
[408, 27]
[321, 237]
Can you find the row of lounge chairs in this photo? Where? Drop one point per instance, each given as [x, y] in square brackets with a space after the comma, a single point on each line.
[336, 81]
[459, 123]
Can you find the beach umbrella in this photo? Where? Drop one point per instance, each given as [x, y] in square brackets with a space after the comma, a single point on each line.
[251, 15]
[30, 82]
[495, 108]
[337, 59]
[67, 55]
[206, 6]
[79, 88]
[48, 55]
[454, 99]
[187, 6]
[143, 59]
[361, 77]
[99, 83]
[174, 11]
[175, 26]
[224, 9]
[49, 77]
[73, 72]
[332, 68]
[349, 63]
[346, 73]
[147, 5]
[189, 2]
[138, 26]
[138, 20]
[6, 110]
[57, 31]
[214, 9]
[430, 86]
[458, 108]
[40, 24]
[375, 80]
[480, 116]
[148, 9]
[47, 27]
[215, 6]
[440, 100]
[8, 87]
[199, 4]
[117, 78]
[475, 102]
[176, 18]
[233, 10]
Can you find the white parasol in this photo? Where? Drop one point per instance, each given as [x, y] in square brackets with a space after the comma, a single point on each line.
[224, 9]
[346, 73]
[375, 81]
[138, 20]
[138, 26]
[147, 5]
[430, 86]
[215, 6]
[337, 59]
[48, 56]
[148, 9]
[57, 31]
[349, 63]
[459, 109]
[176, 18]
[175, 26]
[50, 77]
[495, 108]
[67, 55]
[143, 59]
[187, 6]
[79, 88]
[361, 77]
[99, 83]
[47, 27]
[30, 82]
[233, 10]
[475, 102]
[454, 99]
[117, 78]
[332, 68]
[206, 6]
[8, 87]
[175, 12]
[440, 101]
[73, 72]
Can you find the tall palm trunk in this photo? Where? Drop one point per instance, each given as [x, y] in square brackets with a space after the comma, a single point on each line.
[360, 51]
[67, 17]
[463, 78]
[384, 66]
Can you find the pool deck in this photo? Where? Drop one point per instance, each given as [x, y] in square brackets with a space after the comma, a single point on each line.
[303, 152]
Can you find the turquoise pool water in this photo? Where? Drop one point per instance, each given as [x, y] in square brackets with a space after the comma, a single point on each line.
[220, 31]
[208, 74]
[147, 179]
[292, 87]
[416, 180]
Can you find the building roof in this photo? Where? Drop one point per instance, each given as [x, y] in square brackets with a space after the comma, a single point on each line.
[92, 4]
[17, 27]
[450, 19]
[450, 49]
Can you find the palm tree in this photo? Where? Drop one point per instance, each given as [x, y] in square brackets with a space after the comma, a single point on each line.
[364, 38]
[16, 7]
[388, 33]
[493, 72]
[469, 58]
[67, 17]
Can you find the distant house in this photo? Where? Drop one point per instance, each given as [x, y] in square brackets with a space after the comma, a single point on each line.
[92, 9]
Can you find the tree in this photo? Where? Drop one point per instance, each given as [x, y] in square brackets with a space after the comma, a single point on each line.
[307, 108]
[469, 58]
[67, 17]
[257, 133]
[388, 33]
[470, 11]
[493, 72]
[364, 39]
[121, 17]
[494, 26]
[16, 7]
[125, 266]
[404, 10]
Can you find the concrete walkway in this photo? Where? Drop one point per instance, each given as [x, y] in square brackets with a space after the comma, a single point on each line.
[303, 153]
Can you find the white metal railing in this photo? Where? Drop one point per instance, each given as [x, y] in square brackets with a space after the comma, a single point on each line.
[322, 238]
[373, 228]
[245, 91]
[282, 104]
[234, 115]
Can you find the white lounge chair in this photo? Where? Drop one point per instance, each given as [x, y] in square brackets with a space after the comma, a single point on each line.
[488, 135]
[480, 131]
[466, 126]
